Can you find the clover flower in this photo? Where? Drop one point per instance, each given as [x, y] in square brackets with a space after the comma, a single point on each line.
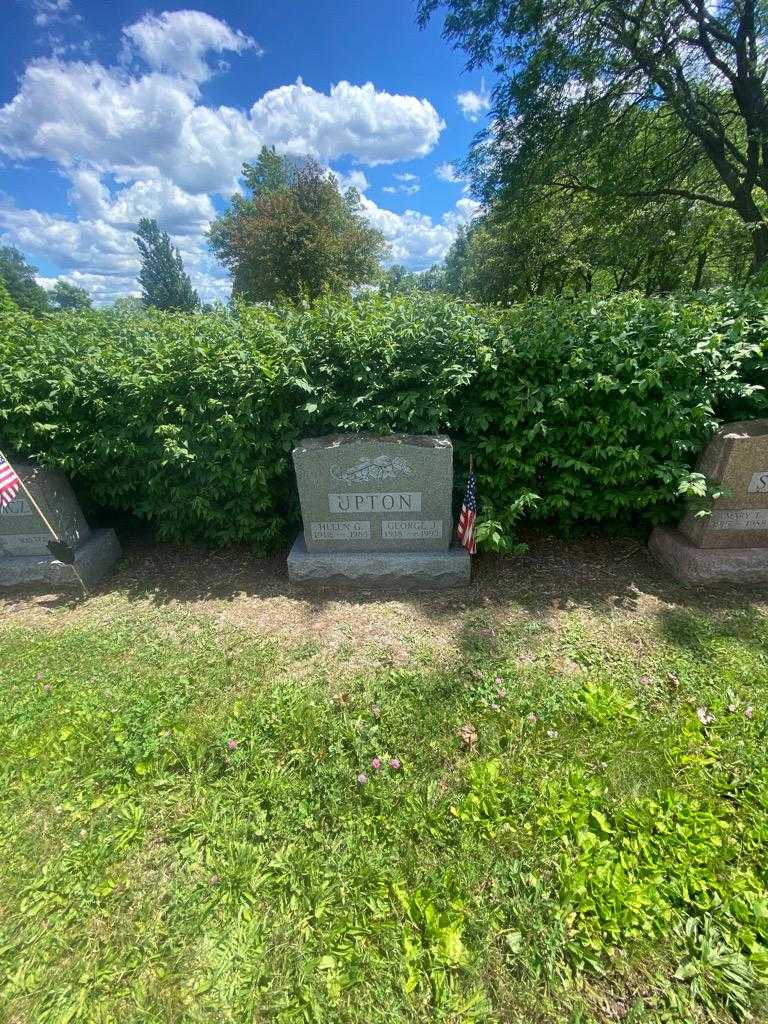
[394, 764]
[362, 778]
[532, 717]
[705, 716]
[749, 711]
[376, 763]
[231, 744]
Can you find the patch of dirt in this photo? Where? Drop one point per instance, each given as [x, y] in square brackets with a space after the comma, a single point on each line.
[233, 587]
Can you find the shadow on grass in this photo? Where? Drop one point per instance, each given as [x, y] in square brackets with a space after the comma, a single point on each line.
[689, 629]
[597, 574]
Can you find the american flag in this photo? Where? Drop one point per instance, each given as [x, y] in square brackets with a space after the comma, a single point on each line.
[9, 482]
[466, 528]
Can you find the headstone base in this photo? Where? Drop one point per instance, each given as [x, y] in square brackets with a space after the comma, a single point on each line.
[690, 564]
[376, 570]
[93, 559]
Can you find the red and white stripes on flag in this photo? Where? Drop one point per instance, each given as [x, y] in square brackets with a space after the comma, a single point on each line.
[9, 482]
[466, 527]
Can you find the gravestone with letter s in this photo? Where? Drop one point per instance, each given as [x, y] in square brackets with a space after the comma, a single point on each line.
[730, 544]
[376, 511]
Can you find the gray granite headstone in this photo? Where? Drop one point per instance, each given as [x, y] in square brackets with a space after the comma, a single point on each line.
[367, 499]
[730, 544]
[24, 554]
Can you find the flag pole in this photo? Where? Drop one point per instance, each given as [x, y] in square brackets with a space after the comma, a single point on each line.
[32, 501]
[44, 518]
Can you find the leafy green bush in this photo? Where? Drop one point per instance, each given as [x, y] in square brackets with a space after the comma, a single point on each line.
[597, 408]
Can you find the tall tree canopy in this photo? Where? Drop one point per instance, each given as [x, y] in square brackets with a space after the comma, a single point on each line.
[18, 276]
[576, 79]
[296, 234]
[164, 283]
[64, 295]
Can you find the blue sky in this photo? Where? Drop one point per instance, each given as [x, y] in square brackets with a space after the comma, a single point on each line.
[114, 110]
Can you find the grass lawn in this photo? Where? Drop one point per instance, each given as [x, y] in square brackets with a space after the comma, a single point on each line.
[192, 826]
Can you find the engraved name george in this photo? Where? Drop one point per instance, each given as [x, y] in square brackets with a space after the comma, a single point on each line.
[759, 483]
[352, 529]
[411, 529]
[388, 501]
[740, 519]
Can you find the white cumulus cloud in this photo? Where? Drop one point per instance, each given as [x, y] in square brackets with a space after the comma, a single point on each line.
[136, 140]
[81, 113]
[447, 172]
[76, 113]
[373, 126]
[415, 238]
[178, 211]
[355, 179]
[98, 251]
[47, 11]
[473, 104]
[178, 41]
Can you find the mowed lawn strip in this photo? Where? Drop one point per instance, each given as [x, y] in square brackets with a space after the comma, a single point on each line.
[570, 823]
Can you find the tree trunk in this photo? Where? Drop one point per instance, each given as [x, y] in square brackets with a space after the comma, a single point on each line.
[701, 261]
[759, 245]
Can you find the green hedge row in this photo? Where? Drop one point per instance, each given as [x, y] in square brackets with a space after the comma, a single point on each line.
[597, 407]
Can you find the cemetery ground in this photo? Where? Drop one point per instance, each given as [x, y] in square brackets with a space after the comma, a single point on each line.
[541, 799]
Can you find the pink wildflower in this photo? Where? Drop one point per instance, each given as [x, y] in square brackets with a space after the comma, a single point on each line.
[532, 718]
[362, 778]
[749, 711]
[231, 744]
[394, 764]
[376, 763]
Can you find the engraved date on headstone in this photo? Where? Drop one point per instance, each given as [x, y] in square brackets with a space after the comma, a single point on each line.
[352, 529]
[740, 519]
[411, 529]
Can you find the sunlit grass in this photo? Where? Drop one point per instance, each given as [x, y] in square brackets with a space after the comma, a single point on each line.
[183, 836]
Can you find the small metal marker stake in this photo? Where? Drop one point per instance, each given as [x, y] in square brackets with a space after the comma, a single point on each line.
[59, 549]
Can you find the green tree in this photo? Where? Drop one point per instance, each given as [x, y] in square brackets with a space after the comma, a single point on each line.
[576, 79]
[64, 295]
[540, 244]
[296, 234]
[164, 283]
[19, 279]
[126, 305]
[7, 305]
[398, 280]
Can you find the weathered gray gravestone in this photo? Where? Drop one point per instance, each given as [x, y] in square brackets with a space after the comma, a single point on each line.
[376, 511]
[24, 555]
[731, 544]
